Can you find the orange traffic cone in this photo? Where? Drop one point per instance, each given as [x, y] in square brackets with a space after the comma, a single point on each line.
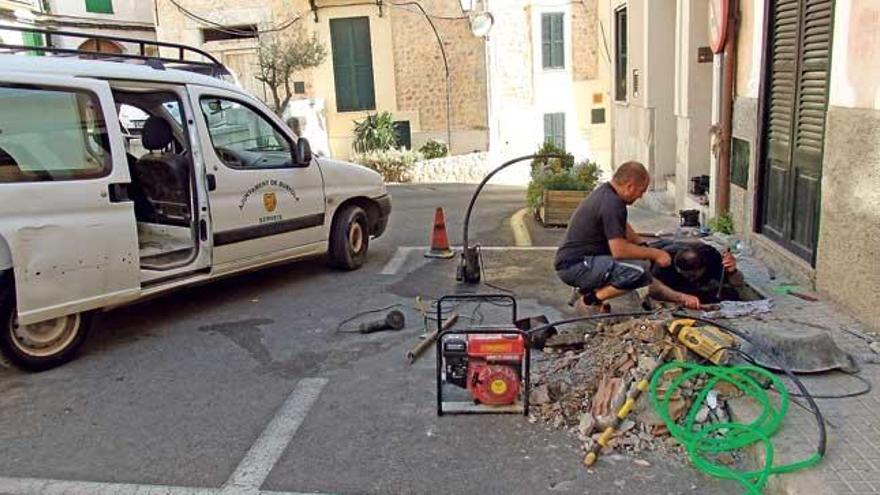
[439, 240]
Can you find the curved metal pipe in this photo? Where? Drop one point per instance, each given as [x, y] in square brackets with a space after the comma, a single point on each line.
[470, 208]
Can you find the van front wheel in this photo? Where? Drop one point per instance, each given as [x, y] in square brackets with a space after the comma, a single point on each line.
[349, 238]
[43, 345]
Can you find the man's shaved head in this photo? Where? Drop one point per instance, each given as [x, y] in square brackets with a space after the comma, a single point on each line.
[630, 181]
[630, 172]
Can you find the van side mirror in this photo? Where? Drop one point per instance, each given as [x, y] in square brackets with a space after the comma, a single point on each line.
[302, 153]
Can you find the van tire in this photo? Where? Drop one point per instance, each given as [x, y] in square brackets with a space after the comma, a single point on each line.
[349, 238]
[75, 333]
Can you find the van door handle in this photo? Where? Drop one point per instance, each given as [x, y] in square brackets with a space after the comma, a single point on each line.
[212, 182]
[118, 192]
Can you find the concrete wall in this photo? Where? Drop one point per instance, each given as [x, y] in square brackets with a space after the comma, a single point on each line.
[645, 125]
[693, 99]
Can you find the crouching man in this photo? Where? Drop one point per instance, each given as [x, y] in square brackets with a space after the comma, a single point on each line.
[698, 271]
[601, 255]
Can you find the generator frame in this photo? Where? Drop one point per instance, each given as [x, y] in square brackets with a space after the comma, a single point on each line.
[469, 407]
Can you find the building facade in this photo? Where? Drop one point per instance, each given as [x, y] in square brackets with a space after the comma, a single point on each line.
[120, 18]
[380, 58]
[804, 177]
[548, 79]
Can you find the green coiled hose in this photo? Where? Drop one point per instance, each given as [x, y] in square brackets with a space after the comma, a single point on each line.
[716, 438]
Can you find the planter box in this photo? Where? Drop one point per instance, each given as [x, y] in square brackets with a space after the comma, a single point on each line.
[558, 206]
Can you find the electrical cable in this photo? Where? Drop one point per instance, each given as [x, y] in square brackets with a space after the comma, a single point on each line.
[231, 30]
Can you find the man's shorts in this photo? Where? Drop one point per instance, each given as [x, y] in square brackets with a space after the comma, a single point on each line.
[595, 272]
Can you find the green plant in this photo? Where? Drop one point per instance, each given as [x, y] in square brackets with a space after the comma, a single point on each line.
[540, 166]
[560, 175]
[722, 224]
[434, 149]
[375, 132]
[394, 165]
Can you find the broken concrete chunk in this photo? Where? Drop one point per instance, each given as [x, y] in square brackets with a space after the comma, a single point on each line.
[540, 395]
[586, 424]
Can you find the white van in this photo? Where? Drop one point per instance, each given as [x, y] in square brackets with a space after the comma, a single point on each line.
[201, 180]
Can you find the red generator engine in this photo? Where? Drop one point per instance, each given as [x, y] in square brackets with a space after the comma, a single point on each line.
[488, 365]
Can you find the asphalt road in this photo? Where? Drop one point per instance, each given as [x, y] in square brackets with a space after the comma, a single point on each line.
[179, 390]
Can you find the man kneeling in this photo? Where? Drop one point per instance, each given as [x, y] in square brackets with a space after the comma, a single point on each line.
[601, 255]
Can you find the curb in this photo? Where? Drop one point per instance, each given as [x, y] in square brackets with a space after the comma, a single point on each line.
[521, 236]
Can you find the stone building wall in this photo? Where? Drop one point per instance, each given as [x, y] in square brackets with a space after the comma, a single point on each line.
[419, 69]
[585, 32]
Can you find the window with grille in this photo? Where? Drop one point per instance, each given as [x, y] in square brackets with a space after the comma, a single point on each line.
[552, 41]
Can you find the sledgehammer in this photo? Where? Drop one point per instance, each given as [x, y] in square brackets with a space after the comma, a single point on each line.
[631, 397]
[417, 351]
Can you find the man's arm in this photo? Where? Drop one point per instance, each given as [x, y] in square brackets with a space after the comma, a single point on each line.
[631, 235]
[622, 249]
[660, 291]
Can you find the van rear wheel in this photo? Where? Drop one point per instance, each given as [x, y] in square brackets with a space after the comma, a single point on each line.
[349, 238]
[43, 345]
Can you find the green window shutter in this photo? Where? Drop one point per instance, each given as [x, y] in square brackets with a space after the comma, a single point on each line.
[99, 6]
[554, 129]
[814, 66]
[33, 39]
[352, 64]
[552, 41]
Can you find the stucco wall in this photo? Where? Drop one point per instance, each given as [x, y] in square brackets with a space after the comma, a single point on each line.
[749, 42]
[848, 257]
[855, 73]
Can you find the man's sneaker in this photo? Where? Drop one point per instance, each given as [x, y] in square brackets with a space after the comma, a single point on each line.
[584, 309]
[575, 296]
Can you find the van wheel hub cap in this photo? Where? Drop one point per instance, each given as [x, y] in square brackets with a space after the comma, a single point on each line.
[356, 237]
[44, 338]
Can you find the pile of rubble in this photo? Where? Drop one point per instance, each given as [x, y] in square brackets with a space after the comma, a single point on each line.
[588, 372]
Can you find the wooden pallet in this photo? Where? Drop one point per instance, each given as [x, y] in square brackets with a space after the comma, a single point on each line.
[558, 206]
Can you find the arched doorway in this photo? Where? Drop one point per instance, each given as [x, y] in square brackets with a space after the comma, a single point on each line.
[102, 46]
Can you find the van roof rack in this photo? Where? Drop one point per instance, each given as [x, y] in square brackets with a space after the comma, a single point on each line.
[156, 54]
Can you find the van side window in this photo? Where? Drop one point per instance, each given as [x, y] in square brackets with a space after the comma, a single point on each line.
[51, 135]
[242, 137]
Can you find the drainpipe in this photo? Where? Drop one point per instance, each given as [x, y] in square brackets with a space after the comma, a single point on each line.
[726, 132]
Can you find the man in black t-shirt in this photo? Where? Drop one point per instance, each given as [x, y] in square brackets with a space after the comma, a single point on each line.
[697, 270]
[601, 255]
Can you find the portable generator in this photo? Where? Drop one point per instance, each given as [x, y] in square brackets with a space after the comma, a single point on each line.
[490, 362]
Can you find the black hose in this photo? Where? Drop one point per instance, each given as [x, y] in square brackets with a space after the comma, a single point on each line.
[814, 408]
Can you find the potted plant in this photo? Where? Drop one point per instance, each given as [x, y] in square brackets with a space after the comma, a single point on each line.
[558, 186]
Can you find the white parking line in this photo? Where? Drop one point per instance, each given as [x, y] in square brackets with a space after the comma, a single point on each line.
[399, 259]
[253, 470]
[250, 474]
